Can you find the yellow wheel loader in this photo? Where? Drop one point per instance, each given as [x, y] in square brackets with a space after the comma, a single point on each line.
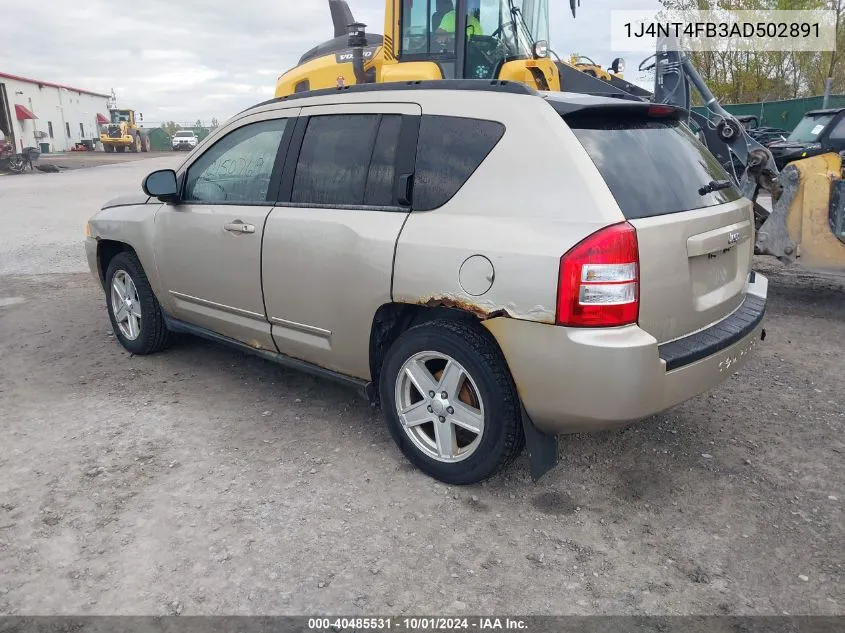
[122, 133]
[446, 39]
[805, 221]
[429, 39]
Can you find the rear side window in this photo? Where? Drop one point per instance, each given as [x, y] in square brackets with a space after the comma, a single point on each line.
[652, 167]
[334, 159]
[379, 191]
[348, 159]
[450, 149]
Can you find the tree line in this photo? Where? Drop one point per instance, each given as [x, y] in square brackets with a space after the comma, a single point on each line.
[747, 77]
[171, 127]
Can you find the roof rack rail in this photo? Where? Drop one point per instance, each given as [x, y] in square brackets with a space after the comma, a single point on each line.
[484, 85]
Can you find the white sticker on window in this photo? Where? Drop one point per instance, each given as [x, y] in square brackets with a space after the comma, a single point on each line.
[817, 129]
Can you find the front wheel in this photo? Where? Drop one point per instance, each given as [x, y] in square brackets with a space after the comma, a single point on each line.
[450, 402]
[16, 164]
[134, 311]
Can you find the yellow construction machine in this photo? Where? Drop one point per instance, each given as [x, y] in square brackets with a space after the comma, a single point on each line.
[804, 217]
[587, 65]
[508, 40]
[432, 39]
[123, 132]
[448, 39]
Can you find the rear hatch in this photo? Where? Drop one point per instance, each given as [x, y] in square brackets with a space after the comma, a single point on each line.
[694, 229]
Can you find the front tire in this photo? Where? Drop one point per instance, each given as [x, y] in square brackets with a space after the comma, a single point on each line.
[134, 311]
[108, 149]
[471, 427]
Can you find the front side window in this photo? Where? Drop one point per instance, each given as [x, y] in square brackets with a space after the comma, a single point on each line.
[347, 159]
[237, 169]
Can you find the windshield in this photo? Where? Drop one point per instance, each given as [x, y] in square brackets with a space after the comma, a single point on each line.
[499, 34]
[184, 133]
[809, 128]
[119, 115]
[536, 14]
[496, 32]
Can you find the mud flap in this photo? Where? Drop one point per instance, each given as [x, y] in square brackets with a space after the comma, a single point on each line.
[542, 448]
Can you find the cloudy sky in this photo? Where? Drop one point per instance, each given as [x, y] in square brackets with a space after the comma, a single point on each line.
[185, 60]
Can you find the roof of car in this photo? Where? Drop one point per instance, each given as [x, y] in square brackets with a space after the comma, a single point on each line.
[574, 100]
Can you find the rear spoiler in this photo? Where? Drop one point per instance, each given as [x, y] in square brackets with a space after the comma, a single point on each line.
[618, 107]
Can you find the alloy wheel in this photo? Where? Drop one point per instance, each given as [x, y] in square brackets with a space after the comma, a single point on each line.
[439, 406]
[125, 305]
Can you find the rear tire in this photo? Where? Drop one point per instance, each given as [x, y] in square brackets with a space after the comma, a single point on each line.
[463, 361]
[134, 311]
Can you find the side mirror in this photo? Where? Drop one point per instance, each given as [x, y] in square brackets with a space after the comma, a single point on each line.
[541, 49]
[618, 65]
[162, 184]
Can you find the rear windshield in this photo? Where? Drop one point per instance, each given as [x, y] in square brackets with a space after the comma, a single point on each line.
[652, 166]
[184, 133]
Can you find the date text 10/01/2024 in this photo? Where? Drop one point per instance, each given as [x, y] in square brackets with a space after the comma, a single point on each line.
[722, 29]
[417, 624]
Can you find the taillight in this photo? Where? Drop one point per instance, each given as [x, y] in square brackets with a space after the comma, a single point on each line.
[599, 280]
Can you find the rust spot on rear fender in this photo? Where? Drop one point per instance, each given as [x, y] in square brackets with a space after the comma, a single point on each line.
[482, 312]
[487, 310]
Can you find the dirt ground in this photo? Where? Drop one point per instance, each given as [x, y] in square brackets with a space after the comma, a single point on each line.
[206, 481]
[83, 160]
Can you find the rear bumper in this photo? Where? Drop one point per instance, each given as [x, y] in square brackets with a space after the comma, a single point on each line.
[572, 380]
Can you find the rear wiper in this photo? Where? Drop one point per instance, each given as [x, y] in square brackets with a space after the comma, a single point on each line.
[714, 185]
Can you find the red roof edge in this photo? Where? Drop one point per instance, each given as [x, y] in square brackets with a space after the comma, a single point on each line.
[51, 84]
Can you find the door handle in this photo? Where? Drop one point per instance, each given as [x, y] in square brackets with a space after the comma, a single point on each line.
[239, 227]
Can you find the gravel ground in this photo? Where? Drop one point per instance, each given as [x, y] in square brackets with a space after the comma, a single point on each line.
[205, 481]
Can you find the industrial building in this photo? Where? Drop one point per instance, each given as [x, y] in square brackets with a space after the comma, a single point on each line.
[49, 116]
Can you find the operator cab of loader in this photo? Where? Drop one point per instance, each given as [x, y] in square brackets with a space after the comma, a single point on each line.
[429, 40]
